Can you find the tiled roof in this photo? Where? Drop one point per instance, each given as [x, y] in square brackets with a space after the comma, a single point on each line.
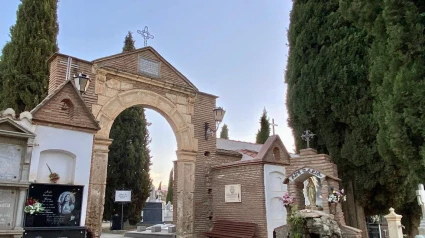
[251, 153]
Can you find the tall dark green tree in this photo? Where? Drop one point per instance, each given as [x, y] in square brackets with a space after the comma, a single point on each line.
[128, 42]
[264, 132]
[330, 94]
[169, 197]
[24, 72]
[129, 159]
[224, 134]
[397, 75]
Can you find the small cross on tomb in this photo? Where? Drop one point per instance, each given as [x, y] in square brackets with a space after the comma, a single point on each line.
[145, 34]
[307, 136]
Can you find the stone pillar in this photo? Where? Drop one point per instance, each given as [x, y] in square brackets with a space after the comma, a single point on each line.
[185, 193]
[19, 215]
[394, 224]
[97, 186]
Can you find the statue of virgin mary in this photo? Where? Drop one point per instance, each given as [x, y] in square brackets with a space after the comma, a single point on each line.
[311, 192]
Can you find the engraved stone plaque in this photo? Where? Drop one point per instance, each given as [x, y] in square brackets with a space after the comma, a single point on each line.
[10, 162]
[232, 193]
[7, 208]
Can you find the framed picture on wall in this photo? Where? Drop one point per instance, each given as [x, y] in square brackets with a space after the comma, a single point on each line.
[61, 205]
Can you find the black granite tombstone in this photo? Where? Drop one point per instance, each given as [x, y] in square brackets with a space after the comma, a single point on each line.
[55, 232]
[152, 213]
[62, 211]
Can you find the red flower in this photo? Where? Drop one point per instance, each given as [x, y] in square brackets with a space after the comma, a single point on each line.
[30, 201]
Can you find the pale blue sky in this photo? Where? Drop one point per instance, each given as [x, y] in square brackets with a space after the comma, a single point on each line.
[235, 49]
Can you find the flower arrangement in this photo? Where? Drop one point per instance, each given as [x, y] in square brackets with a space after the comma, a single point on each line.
[54, 177]
[33, 206]
[287, 200]
[336, 196]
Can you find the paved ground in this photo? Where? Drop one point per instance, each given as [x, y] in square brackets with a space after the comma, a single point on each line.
[109, 235]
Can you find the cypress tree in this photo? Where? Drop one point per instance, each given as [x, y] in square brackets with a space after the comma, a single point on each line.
[169, 197]
[330, 94]
[224, 134]
[397, 74]
[128, 43]
[24, 71]
[264, 132]
[129, 159]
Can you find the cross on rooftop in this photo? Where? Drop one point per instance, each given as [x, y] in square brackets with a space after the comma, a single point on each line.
[145, 34]
[273, 125]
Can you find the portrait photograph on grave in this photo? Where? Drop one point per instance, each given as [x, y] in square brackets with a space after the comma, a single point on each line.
[53, 205]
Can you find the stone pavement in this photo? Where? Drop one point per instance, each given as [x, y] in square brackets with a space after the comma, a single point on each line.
[110, 235]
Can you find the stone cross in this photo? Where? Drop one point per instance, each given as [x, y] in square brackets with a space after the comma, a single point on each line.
[420, 194]
[273, 125]
[145, 34]
[307, 136]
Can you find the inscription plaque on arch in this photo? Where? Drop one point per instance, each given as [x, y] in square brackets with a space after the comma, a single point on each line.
[303, 171]
[7, 208]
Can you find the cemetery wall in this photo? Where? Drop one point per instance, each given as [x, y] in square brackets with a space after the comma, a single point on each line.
[274, 191]
[67, 153]
[252, 207]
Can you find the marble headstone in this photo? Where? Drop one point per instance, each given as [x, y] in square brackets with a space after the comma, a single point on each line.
[7, 208]
[10, 162]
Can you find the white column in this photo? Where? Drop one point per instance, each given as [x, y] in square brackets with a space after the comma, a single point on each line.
[394, 224]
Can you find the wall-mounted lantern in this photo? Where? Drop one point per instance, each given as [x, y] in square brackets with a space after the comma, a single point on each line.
[81, 82]
[218, 116]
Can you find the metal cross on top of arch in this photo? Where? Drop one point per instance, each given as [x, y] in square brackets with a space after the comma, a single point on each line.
[145, 34]
[307, 136]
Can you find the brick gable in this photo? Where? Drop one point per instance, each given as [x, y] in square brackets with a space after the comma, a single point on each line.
[129, 62]
[65, 108]
[274, 151]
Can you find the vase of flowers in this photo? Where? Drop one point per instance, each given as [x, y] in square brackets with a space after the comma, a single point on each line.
[54, 177]
[335, 197]
[32, 207]
[288, 201]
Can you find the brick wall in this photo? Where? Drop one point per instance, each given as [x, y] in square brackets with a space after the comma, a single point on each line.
[252, 208]
[223, 158]
[58, 75]
[204, 106]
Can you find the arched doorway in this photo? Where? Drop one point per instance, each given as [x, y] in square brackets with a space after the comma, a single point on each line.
[143, 77]
[179, 117]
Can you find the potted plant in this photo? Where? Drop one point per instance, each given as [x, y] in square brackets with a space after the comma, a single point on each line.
[335, 197]
[54, 177]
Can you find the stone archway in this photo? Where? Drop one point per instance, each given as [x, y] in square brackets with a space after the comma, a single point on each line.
[179, 119]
